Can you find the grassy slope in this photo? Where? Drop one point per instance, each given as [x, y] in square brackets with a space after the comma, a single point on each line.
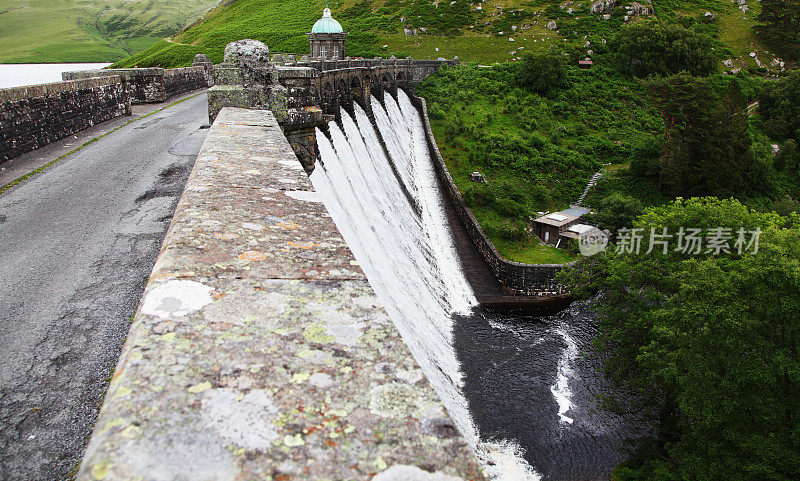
[546, 148]
[537, 152]
[33, 31]
[453, 29]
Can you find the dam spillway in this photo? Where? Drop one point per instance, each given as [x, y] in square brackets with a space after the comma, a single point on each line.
[517, 386]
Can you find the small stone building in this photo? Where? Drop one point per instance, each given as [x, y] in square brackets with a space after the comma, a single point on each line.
[327, 38]
[560, 228]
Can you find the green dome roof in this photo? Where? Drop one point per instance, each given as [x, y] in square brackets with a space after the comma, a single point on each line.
[327, 24]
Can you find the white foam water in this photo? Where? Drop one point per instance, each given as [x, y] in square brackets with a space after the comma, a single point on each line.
[560, 389]
[405, 249]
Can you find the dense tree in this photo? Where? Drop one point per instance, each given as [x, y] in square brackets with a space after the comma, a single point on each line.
[779, 107]
[780, 25]
[708, 342]
[543, 72]
[650, 48]
[706, 146]
[616, 211]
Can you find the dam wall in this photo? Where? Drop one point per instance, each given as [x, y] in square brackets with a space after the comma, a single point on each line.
[34, 116]
[259, 349]
[151, 85]
[517, 278]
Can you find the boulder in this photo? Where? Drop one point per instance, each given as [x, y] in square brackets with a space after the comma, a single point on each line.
[728, 63]
[601, 6]
[552, 25]
[641, 9]
[709, 17]
[247, 53]
[201, 59]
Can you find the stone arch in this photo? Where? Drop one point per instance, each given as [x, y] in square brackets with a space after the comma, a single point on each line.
[388, 83]
[402, 79]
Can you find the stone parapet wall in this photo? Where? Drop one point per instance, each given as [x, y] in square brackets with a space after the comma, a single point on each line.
[517, 278]
[152, 85]
[34, 116]
[259, 350]
[181, 80]
[146, 85]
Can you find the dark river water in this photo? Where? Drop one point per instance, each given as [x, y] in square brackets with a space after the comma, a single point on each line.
[511, 363]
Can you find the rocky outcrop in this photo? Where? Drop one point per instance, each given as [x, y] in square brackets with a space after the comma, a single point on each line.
[639, 9]
[602, 6]
[246, 53]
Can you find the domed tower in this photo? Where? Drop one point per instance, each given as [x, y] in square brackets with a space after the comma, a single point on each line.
[327, 38]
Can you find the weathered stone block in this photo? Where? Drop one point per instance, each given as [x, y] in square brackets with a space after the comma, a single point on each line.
[221, 96]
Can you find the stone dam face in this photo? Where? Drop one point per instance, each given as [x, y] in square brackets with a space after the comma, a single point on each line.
[520, 388]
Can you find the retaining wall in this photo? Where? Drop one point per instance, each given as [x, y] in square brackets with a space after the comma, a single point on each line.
[518, 278]
[259, 350]
[33, 116]
[151, 85]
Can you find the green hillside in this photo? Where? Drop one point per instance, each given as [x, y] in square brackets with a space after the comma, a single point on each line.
[34, 31]
[493, 31]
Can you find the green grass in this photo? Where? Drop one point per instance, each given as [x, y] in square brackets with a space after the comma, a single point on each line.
[533, 252]
[95, 30]
[35, 31]
[537, 152]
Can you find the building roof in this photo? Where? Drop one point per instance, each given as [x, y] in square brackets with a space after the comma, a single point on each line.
[557, 219]
[576, 211]
[575, 231]
[327, 24]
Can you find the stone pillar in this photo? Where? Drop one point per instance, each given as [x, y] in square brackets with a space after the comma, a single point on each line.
[202, 60]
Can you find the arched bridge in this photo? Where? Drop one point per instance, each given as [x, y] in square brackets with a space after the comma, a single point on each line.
[304, 95]
[340, 83]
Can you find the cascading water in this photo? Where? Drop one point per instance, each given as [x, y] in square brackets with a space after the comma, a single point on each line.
[380, 188]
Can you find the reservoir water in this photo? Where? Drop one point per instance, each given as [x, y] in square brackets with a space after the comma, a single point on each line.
[16, 75]
[522, 390]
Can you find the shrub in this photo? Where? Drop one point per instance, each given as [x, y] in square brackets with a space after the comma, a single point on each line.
[543, 72]
[649, 48]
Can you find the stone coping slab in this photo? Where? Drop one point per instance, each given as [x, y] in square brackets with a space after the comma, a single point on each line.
[259, 350]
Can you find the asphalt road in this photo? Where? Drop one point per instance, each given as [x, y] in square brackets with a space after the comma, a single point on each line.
[77, 243]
